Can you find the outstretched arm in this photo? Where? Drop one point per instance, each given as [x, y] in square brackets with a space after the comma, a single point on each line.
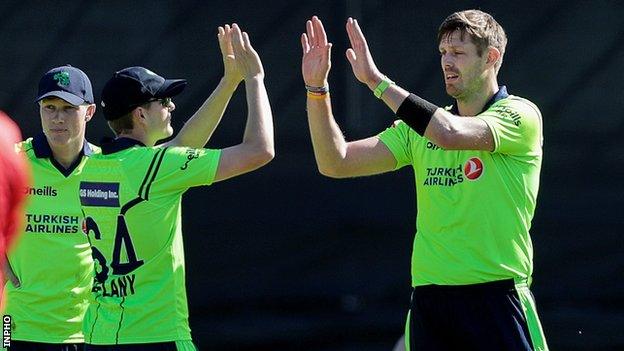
[257, 148]
[443, 128]
[199, 128]
[334, 156]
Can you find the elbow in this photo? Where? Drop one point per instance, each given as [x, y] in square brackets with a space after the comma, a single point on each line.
[331, 171]
[268, 154]
[264, 156]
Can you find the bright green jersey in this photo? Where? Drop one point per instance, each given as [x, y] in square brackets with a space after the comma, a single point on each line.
[131, 197]
[52, 258]
[474, 207]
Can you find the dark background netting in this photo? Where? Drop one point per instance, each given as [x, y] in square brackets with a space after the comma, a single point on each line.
[285, 259]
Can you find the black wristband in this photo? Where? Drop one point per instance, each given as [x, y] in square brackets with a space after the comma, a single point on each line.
[416, 112]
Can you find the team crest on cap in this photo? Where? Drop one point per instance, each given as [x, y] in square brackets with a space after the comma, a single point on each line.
[62, 78]
[473, 169]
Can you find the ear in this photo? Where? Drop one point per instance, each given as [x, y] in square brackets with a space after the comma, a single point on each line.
[90, 112]
[493, 55]
[138, 116]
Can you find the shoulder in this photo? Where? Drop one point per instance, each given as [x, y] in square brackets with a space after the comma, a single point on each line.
[516, 110]
[515, 104]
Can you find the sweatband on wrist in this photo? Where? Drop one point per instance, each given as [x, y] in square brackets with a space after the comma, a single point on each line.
[382, 86]
[416, 112]
[317, 96]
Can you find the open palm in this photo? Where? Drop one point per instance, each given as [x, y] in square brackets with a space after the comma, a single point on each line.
[316, 60]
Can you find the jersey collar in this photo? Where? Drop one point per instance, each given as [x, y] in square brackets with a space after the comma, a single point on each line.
[42, 149]
[110, 146]
[500, 94]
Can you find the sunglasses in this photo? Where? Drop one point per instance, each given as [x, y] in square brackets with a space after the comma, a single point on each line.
[165, 102]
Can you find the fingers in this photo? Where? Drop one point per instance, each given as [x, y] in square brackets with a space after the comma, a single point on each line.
[351, 57]
[237, 40]
[246, 41]
[349, 26]
[358, 32]
[225, 42]
[310, 32]
[221, 36]
[319, 31]
[304, 43]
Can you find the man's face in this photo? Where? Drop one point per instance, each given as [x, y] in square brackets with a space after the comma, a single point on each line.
[158, 118]
[62, 122]
[463, 69]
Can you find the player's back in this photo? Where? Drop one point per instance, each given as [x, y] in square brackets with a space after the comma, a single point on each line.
[130, 197]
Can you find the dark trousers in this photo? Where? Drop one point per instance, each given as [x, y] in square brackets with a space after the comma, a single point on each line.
[160, 346]
[486, 316]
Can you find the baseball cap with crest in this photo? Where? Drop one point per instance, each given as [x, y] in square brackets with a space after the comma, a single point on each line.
[68, 83]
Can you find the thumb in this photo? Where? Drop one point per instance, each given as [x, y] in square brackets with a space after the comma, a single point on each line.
[351, 56]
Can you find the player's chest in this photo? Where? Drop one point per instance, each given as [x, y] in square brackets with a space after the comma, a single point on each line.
[53, 206]
[436, 168]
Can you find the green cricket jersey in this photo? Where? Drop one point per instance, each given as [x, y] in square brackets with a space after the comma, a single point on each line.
[131, 197]
[475, 207]
[51, 258]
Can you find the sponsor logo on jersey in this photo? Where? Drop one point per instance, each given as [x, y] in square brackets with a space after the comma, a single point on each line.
[51, 224]
[45, 191]
[444, 176]
[191, 154]
[509, 113]
[473, 168]
[432, 146]
[99, 194]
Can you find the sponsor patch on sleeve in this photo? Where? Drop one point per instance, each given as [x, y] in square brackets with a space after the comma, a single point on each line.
[99, 194]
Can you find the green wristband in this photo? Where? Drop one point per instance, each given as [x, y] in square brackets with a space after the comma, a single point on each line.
[382, 86]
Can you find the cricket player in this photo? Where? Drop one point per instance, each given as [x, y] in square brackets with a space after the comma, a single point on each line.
[52, 266]
[131, 197]
[476, 168]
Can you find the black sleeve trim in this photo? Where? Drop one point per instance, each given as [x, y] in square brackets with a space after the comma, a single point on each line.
[416, 112]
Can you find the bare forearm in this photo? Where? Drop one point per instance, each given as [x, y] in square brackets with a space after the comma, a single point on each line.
[200, 127]
[259, 127]
[330, 147]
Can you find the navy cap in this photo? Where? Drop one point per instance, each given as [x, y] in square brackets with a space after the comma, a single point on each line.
[134, 86]
[68, 83]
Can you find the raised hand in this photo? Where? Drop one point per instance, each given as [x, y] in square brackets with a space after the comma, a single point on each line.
[246, 58]
[316, 60]
[231, 72]
[359, 56]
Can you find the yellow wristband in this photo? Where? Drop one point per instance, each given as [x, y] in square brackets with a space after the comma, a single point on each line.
[317, 96]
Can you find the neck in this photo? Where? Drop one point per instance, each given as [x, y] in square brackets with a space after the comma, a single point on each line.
[139, 135]
[473, 105]
[66, 155]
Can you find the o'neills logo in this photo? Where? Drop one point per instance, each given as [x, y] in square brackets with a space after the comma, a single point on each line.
[473, 168]
[45, 191]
